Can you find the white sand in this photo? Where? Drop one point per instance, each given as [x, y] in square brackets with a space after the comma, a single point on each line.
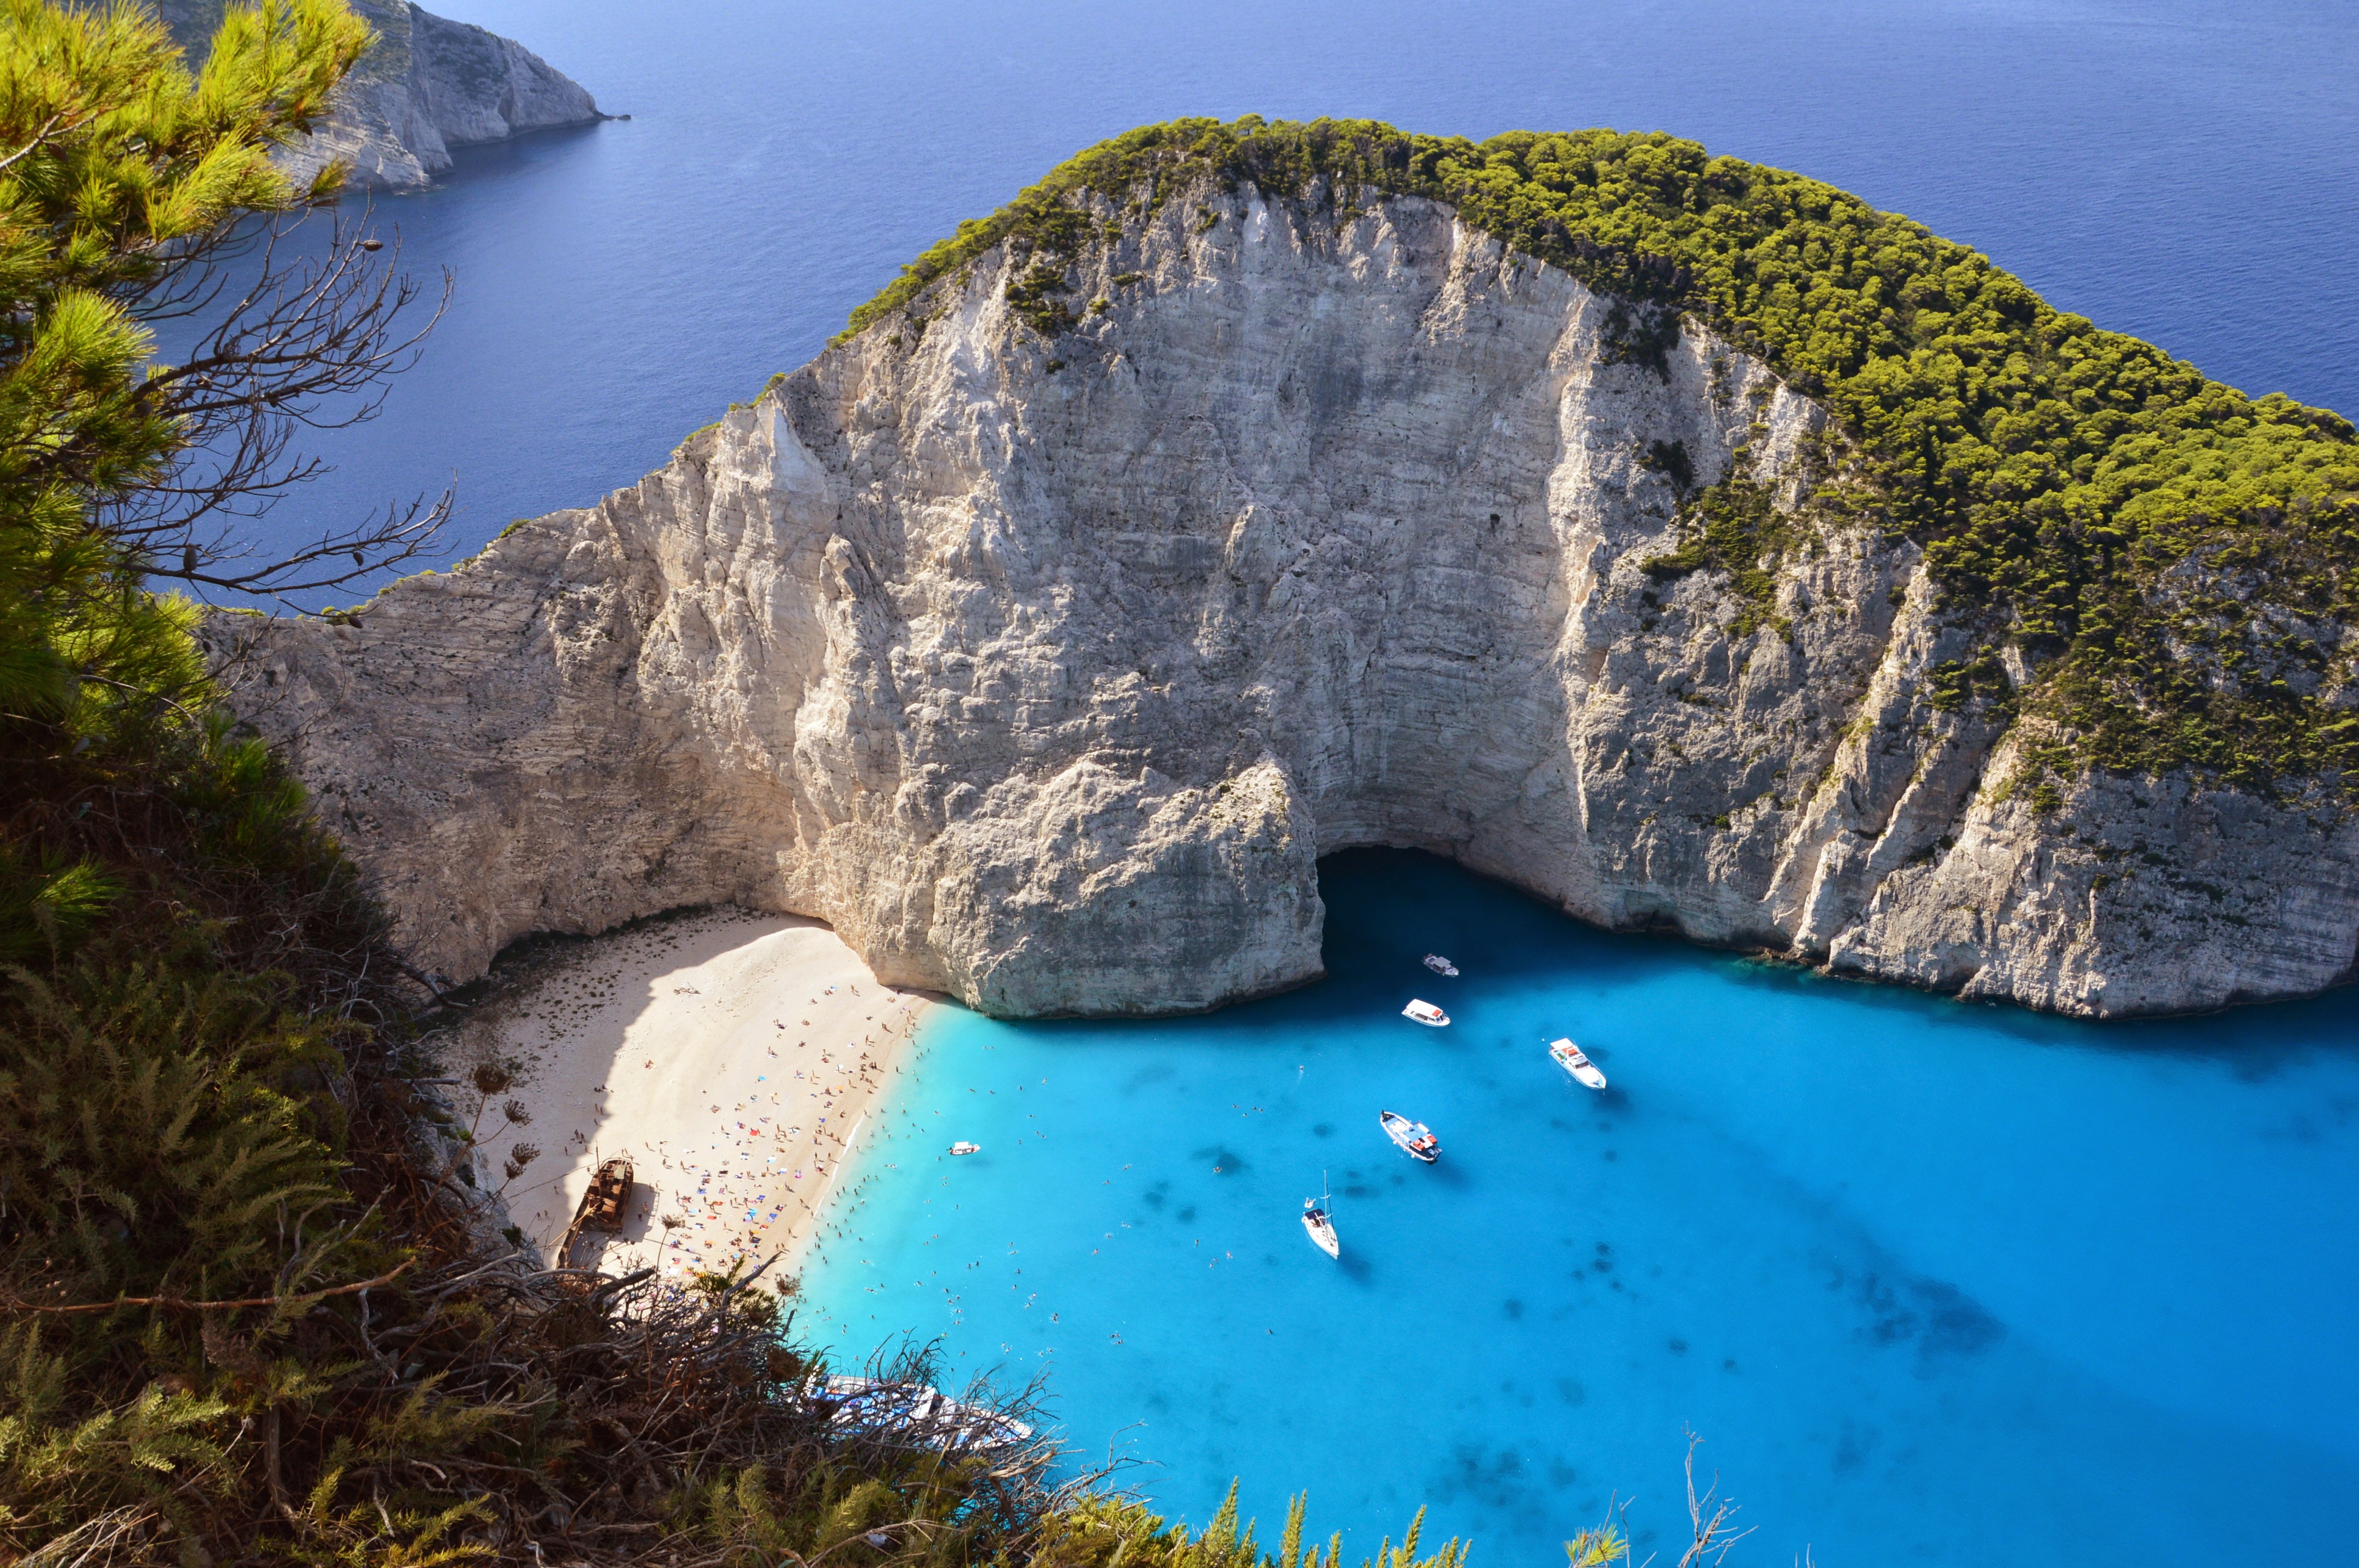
[731, 1057]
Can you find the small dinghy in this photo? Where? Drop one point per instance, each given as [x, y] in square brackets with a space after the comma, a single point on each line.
[1584, 1072]
[964, 1147]
[1415, 1138]
[1440, 965]
[1320, 1224]
[1425, 1012]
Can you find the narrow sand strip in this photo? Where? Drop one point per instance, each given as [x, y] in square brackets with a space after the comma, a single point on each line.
[728, 1056]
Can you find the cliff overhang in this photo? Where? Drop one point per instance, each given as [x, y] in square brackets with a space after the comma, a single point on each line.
[1043, 633]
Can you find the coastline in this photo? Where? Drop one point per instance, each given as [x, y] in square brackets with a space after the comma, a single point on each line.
[734, 1058]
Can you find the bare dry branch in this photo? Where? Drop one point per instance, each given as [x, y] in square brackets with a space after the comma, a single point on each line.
[298, 337]
[177, 1305]
[1710, 1515]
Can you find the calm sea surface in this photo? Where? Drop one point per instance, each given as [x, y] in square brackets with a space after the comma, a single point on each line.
[1936, 1282]
[2184, 170]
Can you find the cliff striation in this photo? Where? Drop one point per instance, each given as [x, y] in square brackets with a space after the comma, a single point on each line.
[1042, 634]
[426, 85]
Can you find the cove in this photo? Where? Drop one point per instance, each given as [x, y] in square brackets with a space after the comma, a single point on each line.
[1935, 1281]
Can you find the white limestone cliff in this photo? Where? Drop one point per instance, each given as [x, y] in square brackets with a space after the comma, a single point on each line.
[1045, 670]
[426, 85]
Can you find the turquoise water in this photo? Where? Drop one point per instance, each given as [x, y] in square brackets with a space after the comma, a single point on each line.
[1936, 1282]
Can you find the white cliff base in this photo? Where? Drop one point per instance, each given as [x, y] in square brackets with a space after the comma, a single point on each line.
[1045, 671]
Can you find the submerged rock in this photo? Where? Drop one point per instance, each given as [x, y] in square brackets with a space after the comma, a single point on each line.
[1044, 669]
[426, 85]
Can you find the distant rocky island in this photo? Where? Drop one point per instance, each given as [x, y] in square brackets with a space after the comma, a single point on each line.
[1681, 540]
[428, 84]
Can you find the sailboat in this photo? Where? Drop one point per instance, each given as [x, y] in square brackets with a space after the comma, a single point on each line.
[1584, 1072]
[1319, 1223]
[1415, 1138]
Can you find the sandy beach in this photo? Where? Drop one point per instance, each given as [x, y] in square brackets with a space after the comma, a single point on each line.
[732, 1058]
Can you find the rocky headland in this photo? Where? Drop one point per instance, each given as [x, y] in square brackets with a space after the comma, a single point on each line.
[1041, 634]
[426, 85]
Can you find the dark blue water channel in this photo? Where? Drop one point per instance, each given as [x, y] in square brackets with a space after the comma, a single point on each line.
[1937, 1283]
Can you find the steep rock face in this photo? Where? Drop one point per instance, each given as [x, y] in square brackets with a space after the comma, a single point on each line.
[1045, 670]
[426, 85]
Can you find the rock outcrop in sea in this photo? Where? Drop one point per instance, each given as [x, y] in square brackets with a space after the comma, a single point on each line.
[426, 85]
[1045, 668]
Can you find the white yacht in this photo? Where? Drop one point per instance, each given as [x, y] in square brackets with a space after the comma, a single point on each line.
[1321, 1226]
[1584, 1071]
[917, 1410]
[1425, 1012]
[964, 1147]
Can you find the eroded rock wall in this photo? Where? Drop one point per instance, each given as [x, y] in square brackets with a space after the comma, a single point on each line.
[426, 85]
[1044, 669]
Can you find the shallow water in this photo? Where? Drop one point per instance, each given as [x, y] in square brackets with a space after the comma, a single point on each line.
[1937, 1283]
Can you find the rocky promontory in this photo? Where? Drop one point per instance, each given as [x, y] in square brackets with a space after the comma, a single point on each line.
[426, 85]
[1042, 634]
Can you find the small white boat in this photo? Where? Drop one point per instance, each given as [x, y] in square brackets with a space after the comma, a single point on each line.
[1425, 1012]
[1584, 1072]
[1415, 1138]
[1320, 1224]
[964, 1147]
[1440, 965]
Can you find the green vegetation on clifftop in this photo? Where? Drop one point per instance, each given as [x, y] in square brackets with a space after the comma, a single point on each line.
[2177, 558]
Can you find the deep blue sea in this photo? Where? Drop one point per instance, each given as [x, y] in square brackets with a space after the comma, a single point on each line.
[1936, 1283]
[2181, 170]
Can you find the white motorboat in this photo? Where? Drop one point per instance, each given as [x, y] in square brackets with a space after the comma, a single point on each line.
[918, 1412]
[1440, 965]
[964, 1147]
[1320, 1224]
[1584, 1072]
[1415, 1138]
[1425, 1012]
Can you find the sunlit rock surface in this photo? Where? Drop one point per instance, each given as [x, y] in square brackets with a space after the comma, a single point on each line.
[1044, 669]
